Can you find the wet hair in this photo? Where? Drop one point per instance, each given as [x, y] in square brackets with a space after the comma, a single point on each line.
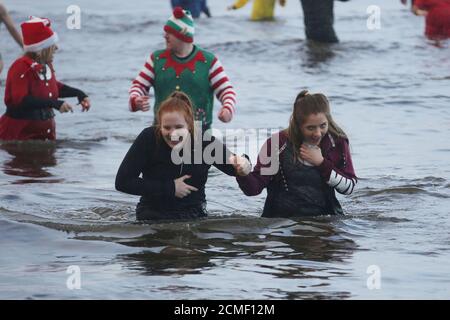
[306, 104]
[177, 102]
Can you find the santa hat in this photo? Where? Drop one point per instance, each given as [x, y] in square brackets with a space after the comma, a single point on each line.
[181, 25]
[37, 34]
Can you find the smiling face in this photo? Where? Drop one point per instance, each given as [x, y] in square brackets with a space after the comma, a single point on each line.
[314, 128]
[174, 128]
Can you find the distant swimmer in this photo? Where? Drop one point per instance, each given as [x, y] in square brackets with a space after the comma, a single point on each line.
[32, 91]
[196, 7]
[6, 19]
[319, 20]
[437, 17]
[303, 165]
[173, 179]
[262, 9]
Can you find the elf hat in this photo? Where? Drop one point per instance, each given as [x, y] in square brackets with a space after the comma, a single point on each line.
[181, 25]
[37, 34]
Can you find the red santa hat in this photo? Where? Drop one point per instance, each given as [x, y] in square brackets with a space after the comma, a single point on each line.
[37, 34]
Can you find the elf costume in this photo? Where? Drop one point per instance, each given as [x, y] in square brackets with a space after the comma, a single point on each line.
[200, 75]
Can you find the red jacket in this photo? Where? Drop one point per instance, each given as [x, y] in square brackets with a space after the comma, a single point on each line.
[24, 80]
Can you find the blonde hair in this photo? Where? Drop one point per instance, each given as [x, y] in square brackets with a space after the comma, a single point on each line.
[44, 56]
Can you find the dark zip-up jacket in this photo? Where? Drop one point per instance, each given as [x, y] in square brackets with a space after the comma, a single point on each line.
[151, 157]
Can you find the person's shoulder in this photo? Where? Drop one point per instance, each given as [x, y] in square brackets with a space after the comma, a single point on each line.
[21, 64]
[341, 140]
[276, 141]
[147, 134]
[280, 136]
[336, 141]
[204, 51]
[149, 131]
[157, 53]
[207, 54]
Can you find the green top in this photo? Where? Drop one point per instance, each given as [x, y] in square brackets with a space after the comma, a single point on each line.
[189, 75]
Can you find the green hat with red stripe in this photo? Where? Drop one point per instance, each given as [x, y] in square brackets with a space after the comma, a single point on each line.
[181, 25]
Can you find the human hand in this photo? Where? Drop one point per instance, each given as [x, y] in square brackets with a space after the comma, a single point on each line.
[142, 103]
[241, 165]
[418, 12]
[182, 189]
[311, 154]
[85, 104]
[65, 108]
[225, 115]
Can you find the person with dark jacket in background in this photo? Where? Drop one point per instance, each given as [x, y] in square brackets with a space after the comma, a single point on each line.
[319, 20]
[196, 7]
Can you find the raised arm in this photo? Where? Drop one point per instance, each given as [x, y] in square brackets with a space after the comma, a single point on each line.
[141, 85]
[223, 90]
[6, 19]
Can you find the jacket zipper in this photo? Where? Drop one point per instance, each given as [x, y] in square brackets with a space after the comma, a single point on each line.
[181, 168]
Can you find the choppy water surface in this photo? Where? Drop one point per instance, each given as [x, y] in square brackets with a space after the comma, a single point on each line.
[389, 89]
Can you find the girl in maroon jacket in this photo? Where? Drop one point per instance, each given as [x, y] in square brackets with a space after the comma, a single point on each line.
[302, 166]
[32, 91]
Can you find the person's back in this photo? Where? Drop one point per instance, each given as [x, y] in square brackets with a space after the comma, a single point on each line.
[196, 7]
[437, 18]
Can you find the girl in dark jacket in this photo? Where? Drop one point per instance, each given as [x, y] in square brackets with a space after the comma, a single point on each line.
[173, 179]
[302, 166]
